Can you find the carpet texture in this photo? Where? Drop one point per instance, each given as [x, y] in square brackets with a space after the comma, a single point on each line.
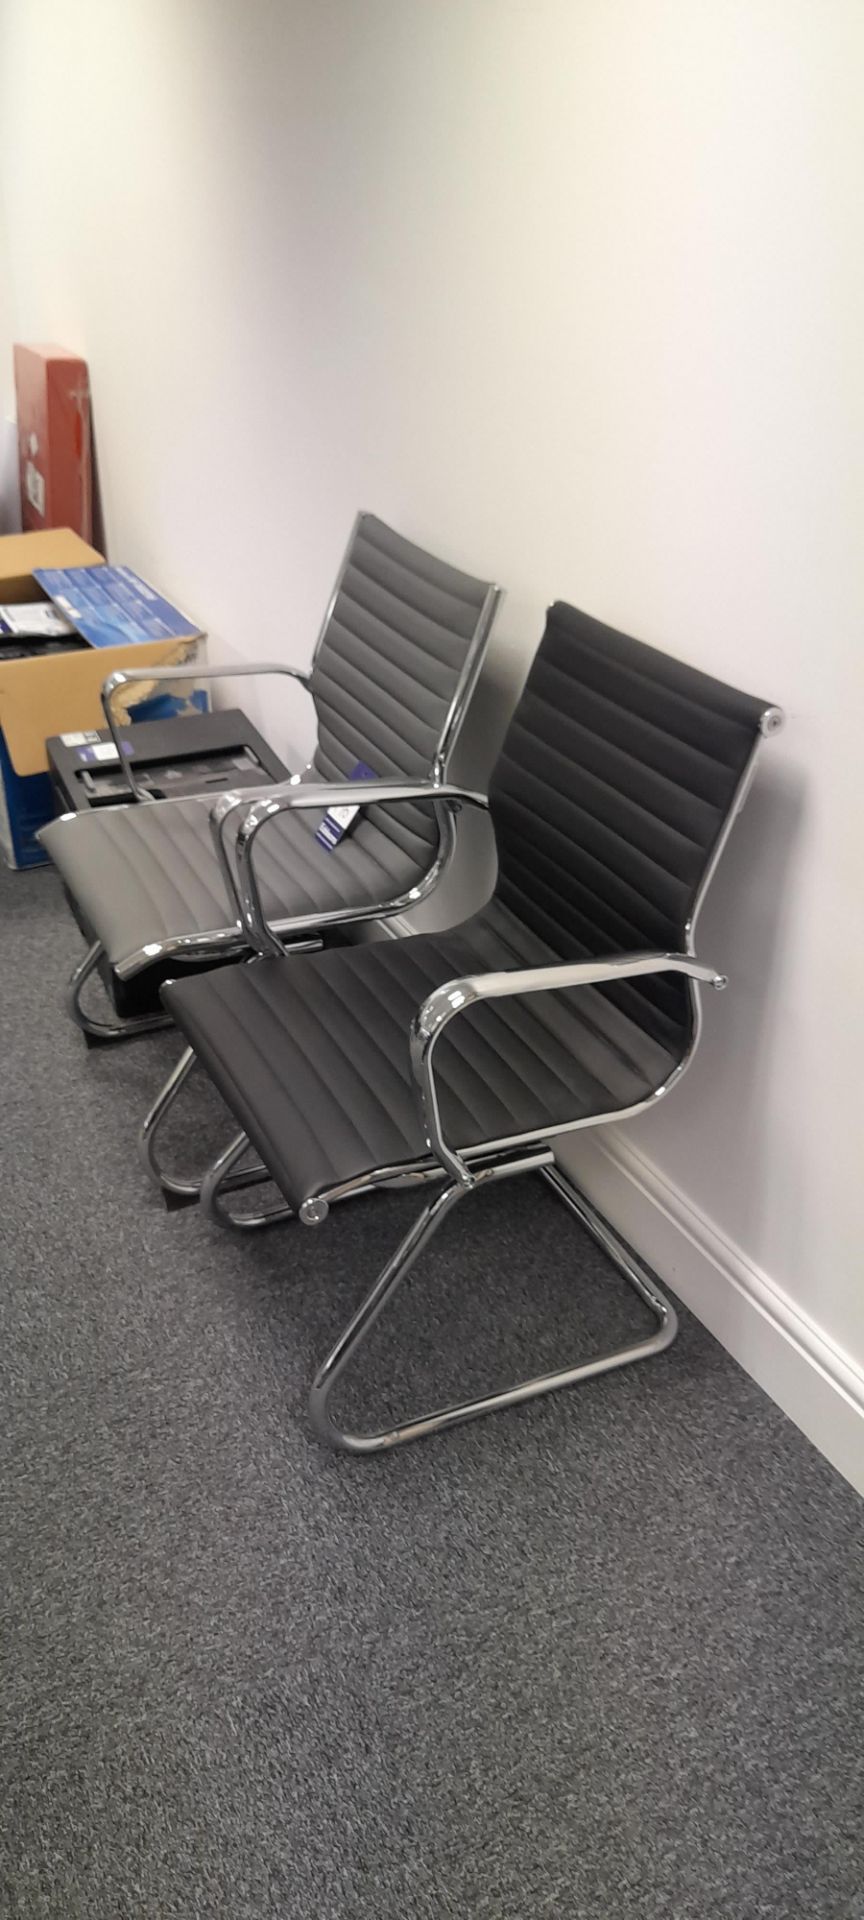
[600, 1658]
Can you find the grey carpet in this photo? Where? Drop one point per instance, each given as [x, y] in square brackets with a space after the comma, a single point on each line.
[600, 1658]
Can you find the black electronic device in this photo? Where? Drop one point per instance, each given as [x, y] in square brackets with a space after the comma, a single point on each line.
[197, 753]
[18, 649]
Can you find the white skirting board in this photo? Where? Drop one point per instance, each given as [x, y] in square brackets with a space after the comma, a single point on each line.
[782, 1349]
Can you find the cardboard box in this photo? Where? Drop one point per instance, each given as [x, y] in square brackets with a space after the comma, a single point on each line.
[52, 393]
[54, 693]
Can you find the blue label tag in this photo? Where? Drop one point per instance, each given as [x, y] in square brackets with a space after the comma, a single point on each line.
[337, 820]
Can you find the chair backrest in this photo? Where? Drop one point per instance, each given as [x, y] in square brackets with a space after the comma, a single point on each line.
[395, 665]
[618, 778]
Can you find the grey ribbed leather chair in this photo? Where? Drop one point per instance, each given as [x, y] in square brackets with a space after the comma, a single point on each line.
[394, 666]
[570, 1000]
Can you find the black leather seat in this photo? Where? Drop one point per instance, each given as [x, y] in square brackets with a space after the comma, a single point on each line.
[313, 1057]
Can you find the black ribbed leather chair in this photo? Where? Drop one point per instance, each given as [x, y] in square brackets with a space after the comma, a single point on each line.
[571, 999]
[393, 669]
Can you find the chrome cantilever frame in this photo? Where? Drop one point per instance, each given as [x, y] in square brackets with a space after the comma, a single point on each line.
[401, 1263]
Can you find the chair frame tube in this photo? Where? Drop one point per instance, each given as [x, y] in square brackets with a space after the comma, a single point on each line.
[256, 810]
[104, 1031]
[125, 676]
[457, 996]
[399, 1266]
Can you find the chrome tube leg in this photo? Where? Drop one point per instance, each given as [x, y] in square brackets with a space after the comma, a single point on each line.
[94, 1029]
[222, 1178]
[357, 1329]
[396, 1270]
[626, 1262]
[179, 1192]
[187, 1190]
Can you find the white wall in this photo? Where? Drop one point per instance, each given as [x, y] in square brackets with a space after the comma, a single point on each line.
[572, 291]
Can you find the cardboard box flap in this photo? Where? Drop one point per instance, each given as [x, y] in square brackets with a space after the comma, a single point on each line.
[55, 547]
[60, 692]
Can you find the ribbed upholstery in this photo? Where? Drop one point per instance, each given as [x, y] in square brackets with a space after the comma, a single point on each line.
[386, 673]
[311, 1053]
[615, 782]
[398, 645]
[146, 873]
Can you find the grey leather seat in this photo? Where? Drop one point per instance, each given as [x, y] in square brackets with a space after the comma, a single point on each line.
[393, 669]
[147, 874]
[570, 999]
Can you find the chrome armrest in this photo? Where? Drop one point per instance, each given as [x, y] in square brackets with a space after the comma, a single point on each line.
[189, 672]
[238, 863]
[456, 996]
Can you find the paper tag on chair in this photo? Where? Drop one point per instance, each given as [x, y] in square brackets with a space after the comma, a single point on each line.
[337, 820]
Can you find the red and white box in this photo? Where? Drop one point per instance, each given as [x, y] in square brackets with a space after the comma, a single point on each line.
[52, 389]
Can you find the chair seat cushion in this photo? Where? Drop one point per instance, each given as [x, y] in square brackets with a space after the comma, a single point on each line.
[311, 1052]
[148, 874]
